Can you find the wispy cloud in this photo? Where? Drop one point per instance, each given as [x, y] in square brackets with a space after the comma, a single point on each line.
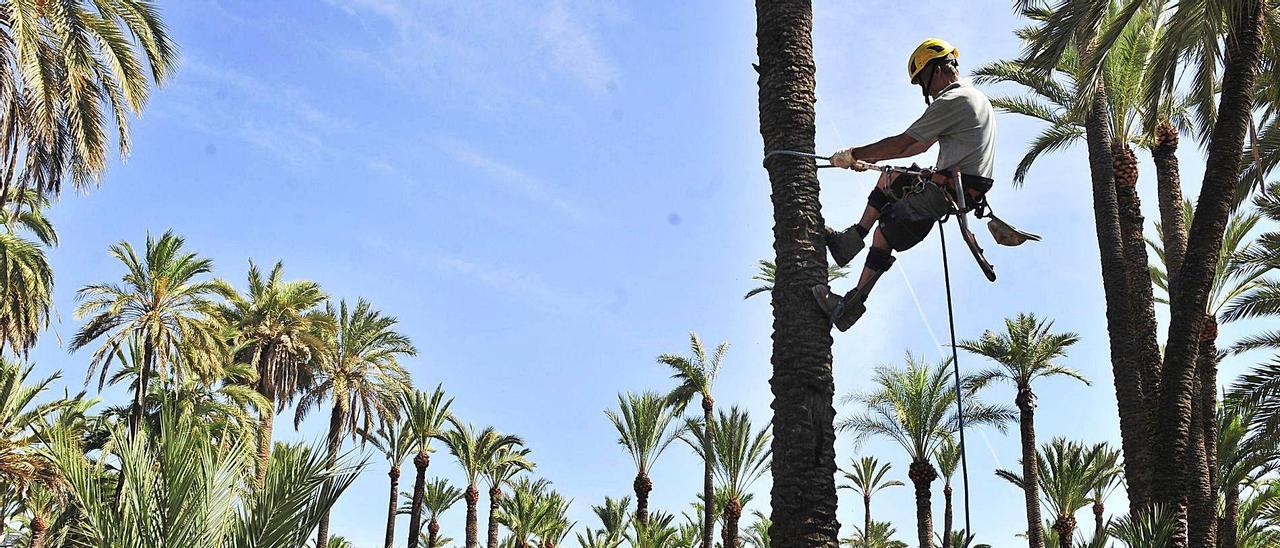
[498, 54]
[519, 183]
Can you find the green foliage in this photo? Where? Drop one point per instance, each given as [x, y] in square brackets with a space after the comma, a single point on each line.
[744, 455]
[694, 375]
[1025, 351]
[1070, 472]
[867, 476]
[1153, 527]
[646, 425]
[768, 271]
[880, 535]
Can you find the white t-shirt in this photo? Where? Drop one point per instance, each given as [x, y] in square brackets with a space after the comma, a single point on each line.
[962, 121]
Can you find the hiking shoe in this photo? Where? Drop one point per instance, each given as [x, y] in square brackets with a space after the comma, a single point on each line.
[844, 245]
[830, 303]
[853, 306]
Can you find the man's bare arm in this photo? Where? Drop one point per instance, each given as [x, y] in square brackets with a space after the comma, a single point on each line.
[891, 148]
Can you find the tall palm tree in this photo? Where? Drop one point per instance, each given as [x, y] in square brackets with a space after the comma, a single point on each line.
[1069, 473]
[166, 302]
[947, 455]
[768, 272]
[916, 407]
[744, 456]
[425, 415]
[439, 497]
[74, 71]
[866, 478]
[503, 466]
[396, 441]
[281, 332]
[1027, 350]
[361, 373]
[473, 450]
[696, 375]
[803, 496]
[26, 279]
[646, 426]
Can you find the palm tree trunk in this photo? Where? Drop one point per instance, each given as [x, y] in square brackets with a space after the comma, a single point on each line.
[866, 520]
[1144, 345]
[266, 423]
[472, 497]
[946, 515]
[140, 390]
[1173, 226]
[922, 474]
[1065, 526]
[39, 529]
[803, 497]
[1135, 422]
[420, 462]
[732, 513]
[708, 460]
[642, 486]
[1099, 526]
[433, 533]
[1230, 517]
[495, 493]
[1026, 402]
[1202, 503]
[1204, 241]
[336, 417]
[392, 499]
[1207, 366]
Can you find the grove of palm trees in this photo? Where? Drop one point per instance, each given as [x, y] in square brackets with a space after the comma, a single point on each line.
[387, 274]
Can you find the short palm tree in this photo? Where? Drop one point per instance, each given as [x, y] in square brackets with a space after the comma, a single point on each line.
[425, 415]
[614, 515]
[767, 271]
[696, 375]
[395, 441]
[758, 532]
[867, 477]
[878, 535]
[1070, 471]
[947, 456]
[915, 406]
[525, 510]
[1154, 526]
[26, 279]
[281, 331]
[74, 72]
[646, 425]
[655, 532]
[744, 456]
[21, 465]
[473, 449]
[167, 302]
[439, 497]
[1026, 351]
[1245, 454]
[360, 373]
[503, 466]
[1110, 474]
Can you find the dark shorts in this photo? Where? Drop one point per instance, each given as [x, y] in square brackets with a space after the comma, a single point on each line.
[913, 207]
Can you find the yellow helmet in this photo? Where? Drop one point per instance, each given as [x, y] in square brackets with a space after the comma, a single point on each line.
[928, 50]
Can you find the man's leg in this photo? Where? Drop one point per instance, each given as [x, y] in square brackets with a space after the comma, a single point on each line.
[846, 244]
[845, 311]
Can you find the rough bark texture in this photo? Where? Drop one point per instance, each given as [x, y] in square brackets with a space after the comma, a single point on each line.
[642, 486]
[1026, 402]
[394, 474]
[1202, 501]
[433, 533]
[1230, 534]
[946, 516]
[732, 513]
[266, 423]
[1144, 345]
[495, 494]
[1099, 523]
[922, 474]
[1135, 421]
[803, 497]
[1065, 526]
[1190, 296]
[472, 497]
[1173, 226]
[336, 416]
[709, 459]
[420, 463]
[1207, 366]
[39, 529]
[866, 520]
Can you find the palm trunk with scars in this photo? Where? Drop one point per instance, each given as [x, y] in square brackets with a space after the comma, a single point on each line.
[336, 417]
[642, 486]
[866, 520]
[708, 460]
[1190, 295]
[946, 516]
[1230, 530]
[433, 533]
[1065, 526]
[1144, 345]
[420, 463]
[472, 497]
[495, 494]
[393, 497]
[803, 496]
[1202, 504]
[1173, 224]
[732, 513]
[922, 474]
[1026, 402]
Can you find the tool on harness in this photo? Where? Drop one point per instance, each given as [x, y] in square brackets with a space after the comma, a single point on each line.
[1006, 234]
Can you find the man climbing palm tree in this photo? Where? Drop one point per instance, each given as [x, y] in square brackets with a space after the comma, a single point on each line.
[960, 119]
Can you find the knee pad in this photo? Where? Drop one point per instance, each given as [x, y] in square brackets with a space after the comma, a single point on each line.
[878, 199]
[879, 260]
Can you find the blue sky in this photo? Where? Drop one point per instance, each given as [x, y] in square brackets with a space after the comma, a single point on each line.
[549, 194]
